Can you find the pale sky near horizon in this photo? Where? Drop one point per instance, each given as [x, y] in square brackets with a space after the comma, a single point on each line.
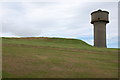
[57, 19]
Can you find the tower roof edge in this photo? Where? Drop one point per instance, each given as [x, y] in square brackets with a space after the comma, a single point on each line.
[99, 11]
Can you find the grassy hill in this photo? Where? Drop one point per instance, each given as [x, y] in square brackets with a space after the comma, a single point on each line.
[43, 57]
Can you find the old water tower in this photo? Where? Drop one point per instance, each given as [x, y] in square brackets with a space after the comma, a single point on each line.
[99, 20]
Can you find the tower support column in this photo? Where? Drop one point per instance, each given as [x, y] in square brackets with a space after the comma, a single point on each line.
[100, 34]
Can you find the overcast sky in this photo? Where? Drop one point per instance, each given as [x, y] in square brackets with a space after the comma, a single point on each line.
[56, 19]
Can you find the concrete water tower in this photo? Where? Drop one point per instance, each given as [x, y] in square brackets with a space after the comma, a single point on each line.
[99, 20]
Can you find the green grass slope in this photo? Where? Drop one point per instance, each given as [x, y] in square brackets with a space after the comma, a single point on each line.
[56, 58]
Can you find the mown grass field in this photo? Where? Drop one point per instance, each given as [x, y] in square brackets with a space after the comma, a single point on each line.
[56, 58]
